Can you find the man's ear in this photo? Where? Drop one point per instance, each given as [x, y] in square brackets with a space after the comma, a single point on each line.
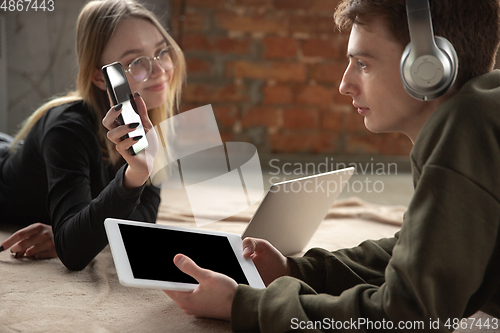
[98, 79]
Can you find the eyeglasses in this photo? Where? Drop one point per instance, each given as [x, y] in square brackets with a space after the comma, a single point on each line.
[140, 69]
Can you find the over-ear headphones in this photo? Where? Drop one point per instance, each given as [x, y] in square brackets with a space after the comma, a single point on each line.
[429, 64]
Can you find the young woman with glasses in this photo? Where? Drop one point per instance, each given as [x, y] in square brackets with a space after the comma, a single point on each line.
[69, 167]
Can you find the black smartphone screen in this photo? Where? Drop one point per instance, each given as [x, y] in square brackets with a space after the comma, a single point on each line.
[116, 82]
[119, 90]
[151, 252]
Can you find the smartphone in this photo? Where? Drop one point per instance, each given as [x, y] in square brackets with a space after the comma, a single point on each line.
[119, 90]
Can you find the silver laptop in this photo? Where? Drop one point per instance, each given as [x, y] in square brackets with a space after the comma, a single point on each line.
[291, 211]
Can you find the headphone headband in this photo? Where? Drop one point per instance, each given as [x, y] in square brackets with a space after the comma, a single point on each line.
[420, 26]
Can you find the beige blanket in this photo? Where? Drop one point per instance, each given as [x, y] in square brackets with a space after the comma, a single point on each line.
[43, 296]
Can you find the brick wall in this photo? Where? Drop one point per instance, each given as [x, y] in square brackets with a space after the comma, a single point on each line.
[271, 70]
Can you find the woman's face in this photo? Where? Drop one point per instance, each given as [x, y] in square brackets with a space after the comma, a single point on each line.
[134, 38]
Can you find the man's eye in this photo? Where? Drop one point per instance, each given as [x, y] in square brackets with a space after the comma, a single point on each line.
[361, 65]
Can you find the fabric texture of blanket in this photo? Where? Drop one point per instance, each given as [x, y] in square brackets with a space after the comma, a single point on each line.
[43, 296]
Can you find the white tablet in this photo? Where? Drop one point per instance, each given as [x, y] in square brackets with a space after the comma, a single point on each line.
[143, 254]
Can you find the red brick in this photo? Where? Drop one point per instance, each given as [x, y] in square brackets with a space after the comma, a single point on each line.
[210, 93]
[173, 28]
[226, 136]
[292, 5]
[197, 66]
[226, 115]
[288, 72]
[331, 120]
[175, 4]
[300, 118]
[175, 8]
[202, 43]
[232, 45]
[321, 48]
[289, 143]
[280, 47]
[301, 106]
[190, 106]
[251, 23]
[314, 95]
[209, 4]
[194, 22]
[259, 4]
[195, 42]
[261, 116]
[174, 33]
[330, 72]
[312, 24]
[278, 94]
[326, 142]
[341, 41]
[372, 143]
[322, 6]
[303, 142]
[326, 7]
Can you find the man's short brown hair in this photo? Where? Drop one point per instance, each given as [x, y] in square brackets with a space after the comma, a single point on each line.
[471, 26]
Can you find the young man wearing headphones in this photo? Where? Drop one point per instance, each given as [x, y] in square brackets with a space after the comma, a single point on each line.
[442, 265]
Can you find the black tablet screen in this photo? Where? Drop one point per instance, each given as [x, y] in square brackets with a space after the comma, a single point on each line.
[151, 252]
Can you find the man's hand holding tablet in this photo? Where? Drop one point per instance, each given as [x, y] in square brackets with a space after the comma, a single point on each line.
[212, 298]
[214, 251]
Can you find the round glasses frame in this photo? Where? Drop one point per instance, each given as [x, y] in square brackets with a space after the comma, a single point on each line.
[170, 52]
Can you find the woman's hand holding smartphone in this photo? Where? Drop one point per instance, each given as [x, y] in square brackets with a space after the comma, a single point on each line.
[130, 128]
[120, 94]
[139, 165]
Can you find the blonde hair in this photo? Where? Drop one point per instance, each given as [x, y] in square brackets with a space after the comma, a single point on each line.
[96, 24]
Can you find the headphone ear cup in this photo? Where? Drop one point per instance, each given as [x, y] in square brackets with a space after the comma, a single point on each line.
[428, 76]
